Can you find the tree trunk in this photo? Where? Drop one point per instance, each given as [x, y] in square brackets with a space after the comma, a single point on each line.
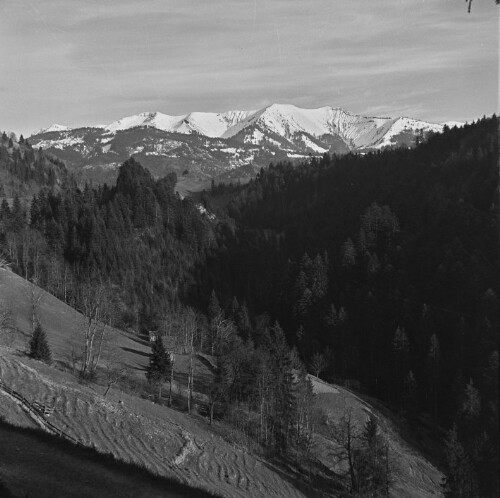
[350, 460]
[171, 382]
[190, 381]
[99, 350]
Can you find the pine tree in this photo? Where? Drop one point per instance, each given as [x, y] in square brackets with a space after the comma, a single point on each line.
[373, 465]
[243, 321]
[160, 364]
[471, 406]
[348, 254]
[411, 394]
[433, 359]
[401, 350]
[460, 479]
[39, 347]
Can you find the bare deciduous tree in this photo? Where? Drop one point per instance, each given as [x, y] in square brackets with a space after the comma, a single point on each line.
[181, 329]
[35, 296]
[346, 434]
[6, 324]
[318, 364]
[191, 326]
[98, 311]
[114, 373]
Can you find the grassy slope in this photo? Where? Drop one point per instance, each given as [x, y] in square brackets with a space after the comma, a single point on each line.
[34, 464]
[166, 441]
[63, 324]
[412, 475]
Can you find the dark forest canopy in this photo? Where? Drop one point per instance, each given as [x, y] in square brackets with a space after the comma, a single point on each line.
[387, 262]
[384, 264]
[24, 169]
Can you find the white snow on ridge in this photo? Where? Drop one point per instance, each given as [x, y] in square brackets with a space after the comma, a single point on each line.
[403, 124]
[153, 119]
[289, 120]
[284, 120]
[54, 127]
[205, 123]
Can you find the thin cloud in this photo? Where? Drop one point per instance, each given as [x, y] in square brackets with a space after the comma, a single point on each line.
[78, 61]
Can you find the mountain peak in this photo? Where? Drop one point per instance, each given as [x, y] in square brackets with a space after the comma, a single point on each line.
[53, 127]
[265, 134]
[281, 119]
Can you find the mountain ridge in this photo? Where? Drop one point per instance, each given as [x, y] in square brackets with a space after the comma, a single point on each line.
[229, 123]
[200, 146]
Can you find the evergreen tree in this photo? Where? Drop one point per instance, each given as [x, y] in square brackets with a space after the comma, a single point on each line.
[401, 349]
[39, 346]
[460, 479]
[160, 364]
[373, 463]
[434, 358]
[411, 394]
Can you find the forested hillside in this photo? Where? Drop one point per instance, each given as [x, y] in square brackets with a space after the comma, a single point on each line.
[387, 267]
[137, 239]
[24, 170]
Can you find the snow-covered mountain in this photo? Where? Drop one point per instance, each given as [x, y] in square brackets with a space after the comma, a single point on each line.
[54, 127]
[204, 145]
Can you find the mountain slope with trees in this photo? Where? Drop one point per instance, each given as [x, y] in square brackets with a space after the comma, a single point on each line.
[387, 264]
[24, 169]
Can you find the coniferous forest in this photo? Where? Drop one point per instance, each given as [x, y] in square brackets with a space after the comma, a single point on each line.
[378, 271]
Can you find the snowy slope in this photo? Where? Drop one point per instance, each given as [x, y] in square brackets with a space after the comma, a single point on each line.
[357, 131]
[201, 145]
[284, 120]
[205, 123]
[54, 127]
[153, 119]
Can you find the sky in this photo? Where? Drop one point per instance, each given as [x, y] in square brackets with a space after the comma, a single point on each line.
[84, 62]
